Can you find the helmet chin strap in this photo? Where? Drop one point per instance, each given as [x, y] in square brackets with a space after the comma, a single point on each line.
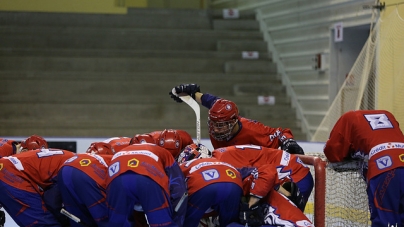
[236, 128]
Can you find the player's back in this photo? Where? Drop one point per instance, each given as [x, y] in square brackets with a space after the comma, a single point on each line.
[205, 171]
[374, 127]
[42, 165]
[372, 135]
[145, 159]
[118, 143]
[94, 165]
[248, 155]
[252, 155]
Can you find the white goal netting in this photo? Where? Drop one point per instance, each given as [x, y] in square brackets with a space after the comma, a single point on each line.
[346, 202]
[376, 80]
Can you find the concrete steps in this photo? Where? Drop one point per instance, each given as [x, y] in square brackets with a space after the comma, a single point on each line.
[158, 114]
[110, 75]
[124, 64]
[117, 38]
[135, 18]
[56, 52]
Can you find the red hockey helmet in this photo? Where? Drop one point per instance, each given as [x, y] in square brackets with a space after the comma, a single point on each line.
[185, 137]
[223, 116]
[142, 138]
[100, 148]
[171, 140]
[33, 142]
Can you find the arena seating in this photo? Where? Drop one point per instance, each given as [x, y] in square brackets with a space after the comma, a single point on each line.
[93, 75]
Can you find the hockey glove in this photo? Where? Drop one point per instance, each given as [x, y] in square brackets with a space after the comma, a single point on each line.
[2, 218]
[252, 216]
[292, 147]
[295, 196]
[189, 89]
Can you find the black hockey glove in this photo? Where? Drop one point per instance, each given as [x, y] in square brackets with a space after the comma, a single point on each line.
[295, 196]
[252, 216]
[189, 89]
[292, 147]
[2, 218]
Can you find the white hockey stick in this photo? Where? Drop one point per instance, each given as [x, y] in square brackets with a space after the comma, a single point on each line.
[195, 106]
[72, 217]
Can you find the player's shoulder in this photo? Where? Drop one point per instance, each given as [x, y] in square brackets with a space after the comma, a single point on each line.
[147, 148]
[255, 127]
[249, 121]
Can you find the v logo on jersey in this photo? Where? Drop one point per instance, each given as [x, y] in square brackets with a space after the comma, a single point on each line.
[210, 174]
[113, 169]
[384, 162]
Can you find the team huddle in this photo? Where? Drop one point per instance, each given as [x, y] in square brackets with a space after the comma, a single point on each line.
[253, 176]
[155, 179]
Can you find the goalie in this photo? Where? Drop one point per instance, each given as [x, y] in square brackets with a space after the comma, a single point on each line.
[373, 136]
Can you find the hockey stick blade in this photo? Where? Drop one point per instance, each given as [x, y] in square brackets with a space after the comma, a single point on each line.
[72, 217]
[195, 106]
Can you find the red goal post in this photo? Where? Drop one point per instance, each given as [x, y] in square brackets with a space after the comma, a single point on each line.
[339, 197]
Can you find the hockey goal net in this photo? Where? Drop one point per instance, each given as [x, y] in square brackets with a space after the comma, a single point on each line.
[375, 80]
[339, 198]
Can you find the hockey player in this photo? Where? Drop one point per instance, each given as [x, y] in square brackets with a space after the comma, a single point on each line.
[269, 200]
[118, 143]
[25, 179]
[147, 177]
[11, 147]
[373, 136]
[267, 203]
[227, 128]
[289, 167]
[33, 142]
[211, 185]
[174, 140]
[82, 182]
[180, 139]
[142, 138]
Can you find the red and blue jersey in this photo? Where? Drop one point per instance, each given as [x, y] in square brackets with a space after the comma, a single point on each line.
[149, 160]
[118, 143]
[261, 181]
[202, 172]
[288, 166]
[250, 132]
[36, 166]
[95, 166]
[371, 135]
